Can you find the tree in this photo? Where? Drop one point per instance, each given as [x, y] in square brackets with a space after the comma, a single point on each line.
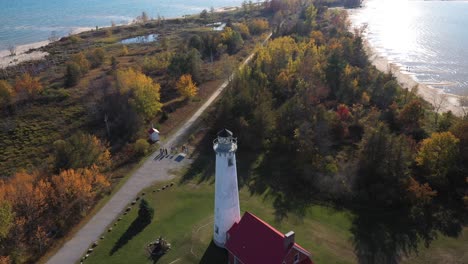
[438, 155]
[258, 26]
[186, 63]
[6, 93]
[420, 192]
[232, 39]
[145, 212]
[6, 219]
[384, 161]
[186, 87]
[145, 97]
[460, 130]
[72, 75]
[411, 115]
[82, 61]
[243, 29]
[28, 86]
[76, 189]
[81, 151]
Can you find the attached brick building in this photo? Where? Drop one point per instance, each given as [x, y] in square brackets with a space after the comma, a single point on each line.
[253, 241]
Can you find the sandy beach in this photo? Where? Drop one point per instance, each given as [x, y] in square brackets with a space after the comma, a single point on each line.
[23, 55]
[446, 102]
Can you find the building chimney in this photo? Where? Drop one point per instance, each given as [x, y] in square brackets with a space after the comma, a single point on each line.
[289, 240]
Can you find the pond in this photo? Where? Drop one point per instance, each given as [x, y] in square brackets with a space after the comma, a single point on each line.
[140, 39]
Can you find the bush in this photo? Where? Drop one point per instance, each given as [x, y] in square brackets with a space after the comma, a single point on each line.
[6, 93]
[97, 57]
[141, 147]
[72, 75]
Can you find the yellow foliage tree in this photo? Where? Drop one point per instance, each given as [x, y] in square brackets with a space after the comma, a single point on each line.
[437, 155]
[82, 61]
[145, 96]
[186, 87]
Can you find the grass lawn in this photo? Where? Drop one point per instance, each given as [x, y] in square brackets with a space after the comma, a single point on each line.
[184, 216]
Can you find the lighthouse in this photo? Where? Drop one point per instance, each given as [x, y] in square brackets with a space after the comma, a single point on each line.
[227, 210]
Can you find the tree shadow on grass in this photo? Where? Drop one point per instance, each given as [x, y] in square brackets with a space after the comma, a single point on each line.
[134, 229]
[387, 235]
[214, 255]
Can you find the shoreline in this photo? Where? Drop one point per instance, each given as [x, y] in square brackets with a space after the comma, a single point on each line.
[24, 54]
[434, 96]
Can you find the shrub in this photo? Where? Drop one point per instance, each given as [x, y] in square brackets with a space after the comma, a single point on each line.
[6, 93]
[72, 75]
[141, 147]
[97, 57]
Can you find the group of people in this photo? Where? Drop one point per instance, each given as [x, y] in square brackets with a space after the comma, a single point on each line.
[164, 151]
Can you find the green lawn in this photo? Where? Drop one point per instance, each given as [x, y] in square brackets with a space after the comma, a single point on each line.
[184, 216]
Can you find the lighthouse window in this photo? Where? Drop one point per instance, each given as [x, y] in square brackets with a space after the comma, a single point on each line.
[230, 162]
[216, 230]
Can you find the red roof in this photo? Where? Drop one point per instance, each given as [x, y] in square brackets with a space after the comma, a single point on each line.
[152, 130]
[254, 241]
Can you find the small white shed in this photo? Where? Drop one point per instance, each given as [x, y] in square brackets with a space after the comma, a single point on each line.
[153, 134]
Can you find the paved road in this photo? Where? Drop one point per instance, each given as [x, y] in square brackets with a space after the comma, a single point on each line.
[153, 170]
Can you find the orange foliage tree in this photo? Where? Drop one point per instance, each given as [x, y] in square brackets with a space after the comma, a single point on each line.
[27, 86]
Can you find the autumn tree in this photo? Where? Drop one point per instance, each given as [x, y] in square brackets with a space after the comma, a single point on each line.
[258, 26]
[6, 93]
[81, 151]
[75, 189]
[411, 116]
[144, 92]
[437, 156]
[232, 39]
[422, 193]
[81, 60]
[27, 86]
[186, 87]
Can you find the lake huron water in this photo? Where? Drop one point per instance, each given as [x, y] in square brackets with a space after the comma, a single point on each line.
[428, 39]
[29, 21]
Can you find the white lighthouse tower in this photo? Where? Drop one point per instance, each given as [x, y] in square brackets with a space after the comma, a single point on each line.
[227, 211]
